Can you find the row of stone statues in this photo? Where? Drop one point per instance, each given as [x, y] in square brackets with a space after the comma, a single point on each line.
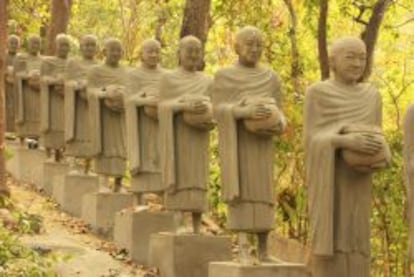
[160, 121]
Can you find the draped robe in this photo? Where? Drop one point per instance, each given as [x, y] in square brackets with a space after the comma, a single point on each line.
[409, 172]
[10, 95]
[183, 148]
[108, 134]
[52, 120]
[77, 129]
[27, 99]
[339, 196]
[142, 131]
[246, 158]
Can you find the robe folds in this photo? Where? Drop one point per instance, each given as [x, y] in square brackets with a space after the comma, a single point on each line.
[142, 130]
[52, 103]
[10, 95]
[409, 172]
[339, 196]
[246, 159]
[183, 148]
[27, 99]
[77, 129]
[108, 134]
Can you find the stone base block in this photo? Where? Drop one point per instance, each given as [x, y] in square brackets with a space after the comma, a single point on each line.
[99, 209]
[187, 255]
[133, 228]
[233, 269]
[69, 194]
[26, 165]
[53, 176]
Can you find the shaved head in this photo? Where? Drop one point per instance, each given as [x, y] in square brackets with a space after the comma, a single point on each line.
[248, 32]
[341, 44]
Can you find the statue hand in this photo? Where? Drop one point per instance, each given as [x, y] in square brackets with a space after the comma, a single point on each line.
[360, 142]
[260, 111]
[198, 107]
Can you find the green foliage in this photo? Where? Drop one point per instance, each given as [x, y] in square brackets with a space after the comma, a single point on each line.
[17, 260]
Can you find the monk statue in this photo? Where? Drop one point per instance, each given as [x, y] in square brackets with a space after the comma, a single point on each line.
[106, 89]
[344, 145]
[142, 122]
[27, 82]
[409, 173]
[13, 44]
[77, 129]
[247, 99]
[185, 118]
[52, 98]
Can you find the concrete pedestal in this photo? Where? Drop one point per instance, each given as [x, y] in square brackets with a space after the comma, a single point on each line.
[233, 269]
[99, 209]
[186, 255]
[69, 194]
[133, 228]
[53, 176]
[26, 165]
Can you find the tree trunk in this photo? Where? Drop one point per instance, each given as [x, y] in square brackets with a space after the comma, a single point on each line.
[196, 20]
[322, 44]
[60, 14]
[371, 32]
[4, 190]
[296, 70]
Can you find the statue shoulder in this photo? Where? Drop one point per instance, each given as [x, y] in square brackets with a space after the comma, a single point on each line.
[315, 88]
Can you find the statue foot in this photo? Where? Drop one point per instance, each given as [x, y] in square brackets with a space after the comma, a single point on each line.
[269, 259]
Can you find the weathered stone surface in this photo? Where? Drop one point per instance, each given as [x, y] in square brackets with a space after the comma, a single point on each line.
[26, 164]
[99, 209]
[187, 255]
[53, 176]
[133, 228]
[69, 194]
[233, 269]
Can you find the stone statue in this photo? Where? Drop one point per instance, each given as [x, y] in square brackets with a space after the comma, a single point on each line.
[247, 101]
[185, 117]
[52, 97]
[344, 145]
[142, 122]
[77, 129]
[13, 44]
[27, 82]
[106, 89]
[409, 172]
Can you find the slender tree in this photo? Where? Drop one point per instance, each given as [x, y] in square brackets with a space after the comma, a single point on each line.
[4, 190]
[322, 39]
[296, 69]
[196, 20]
[60, 14]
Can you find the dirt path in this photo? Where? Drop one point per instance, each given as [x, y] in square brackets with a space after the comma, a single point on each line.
[65, 232]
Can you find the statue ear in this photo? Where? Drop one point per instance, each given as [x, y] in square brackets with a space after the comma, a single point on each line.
[179, 56]
[237, 48]
[332, 63]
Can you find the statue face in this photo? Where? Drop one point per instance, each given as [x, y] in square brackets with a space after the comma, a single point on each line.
[349, 63]
[89, 48]
[13, 45]
[62, 48]
[190, 55]
[250, 49]
[34, 46]
[151, 55]
[113, 53]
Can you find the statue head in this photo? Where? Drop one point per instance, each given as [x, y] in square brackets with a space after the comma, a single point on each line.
[13, 44]
[190, 53]
[347, 58]
[33, 45]
[89, 46]
[150, 53]
[113, 51]
[249, 46]
[62, 46]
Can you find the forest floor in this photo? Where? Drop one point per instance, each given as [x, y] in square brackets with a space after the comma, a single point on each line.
[88, 254]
